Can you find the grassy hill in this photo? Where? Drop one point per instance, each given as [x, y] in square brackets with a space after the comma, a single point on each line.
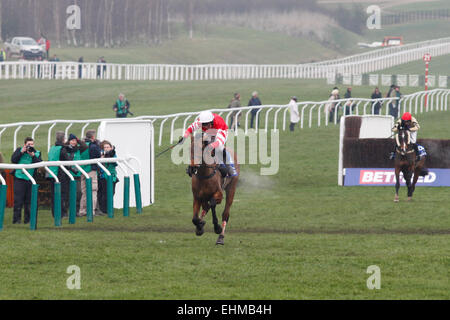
[218, 45]
[438, 66]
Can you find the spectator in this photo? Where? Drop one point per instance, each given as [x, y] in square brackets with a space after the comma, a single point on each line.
[39, 70]
[349, 103]
[330, 107]
[108, 151]
[101, 61]
[99, 68]
[122, 107]
[104, 66]
[72, 151]
[376, 105]
[391, 94]
[2, 55]
[55, 154]
[80, 67]
[22, 184]
[93, 152]
[235, 103]
[47, 47]
[54, 59]
[254, 101]
[293, 110]
[399, 95]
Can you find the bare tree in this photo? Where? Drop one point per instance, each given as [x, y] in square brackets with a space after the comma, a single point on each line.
[104, 22]
[56, 21]
[1, 38]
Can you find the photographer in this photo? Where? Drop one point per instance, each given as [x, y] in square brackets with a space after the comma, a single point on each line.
[108, 151]
[93, 152]
[55, 154]
[72, 151]
[22, 184]
[63, 152]
[122, 107]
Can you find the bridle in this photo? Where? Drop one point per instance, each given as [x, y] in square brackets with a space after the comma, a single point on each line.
[196, 167]
[402, 147]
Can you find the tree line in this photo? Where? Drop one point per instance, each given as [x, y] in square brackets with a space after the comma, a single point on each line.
[108, 23]
[104, 23]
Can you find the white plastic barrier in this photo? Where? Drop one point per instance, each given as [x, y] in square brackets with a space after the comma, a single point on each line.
[310, 111]
[354, 65]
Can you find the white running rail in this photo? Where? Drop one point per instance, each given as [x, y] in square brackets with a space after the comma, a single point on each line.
[375, 60]
[311, 114]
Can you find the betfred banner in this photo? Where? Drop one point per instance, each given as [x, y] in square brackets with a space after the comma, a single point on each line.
[386, 177]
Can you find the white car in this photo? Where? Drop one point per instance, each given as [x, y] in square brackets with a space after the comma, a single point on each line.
[24, 47]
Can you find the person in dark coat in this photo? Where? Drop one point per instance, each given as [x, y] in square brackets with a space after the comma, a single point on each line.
[376, 105]
[26, 154]
[254, 101]
[348, 104]
[80, 67]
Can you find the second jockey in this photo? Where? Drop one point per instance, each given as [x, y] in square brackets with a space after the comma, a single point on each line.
[211, 121]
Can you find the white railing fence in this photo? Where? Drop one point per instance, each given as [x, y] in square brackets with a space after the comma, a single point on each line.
[266, 117]
[356, 65]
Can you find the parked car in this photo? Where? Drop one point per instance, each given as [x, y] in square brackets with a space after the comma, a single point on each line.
[24, 47]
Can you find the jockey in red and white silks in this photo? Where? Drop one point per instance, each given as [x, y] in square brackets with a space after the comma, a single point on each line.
[211, 121]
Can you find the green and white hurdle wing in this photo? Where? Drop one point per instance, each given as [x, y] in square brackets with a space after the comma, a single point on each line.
[122, 163]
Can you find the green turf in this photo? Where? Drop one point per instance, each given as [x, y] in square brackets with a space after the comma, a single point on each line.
[417, 6]
[411, 32]
[294, 235]
[438, 66]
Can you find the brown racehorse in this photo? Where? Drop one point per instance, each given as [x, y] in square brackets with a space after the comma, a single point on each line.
[405, 162]
[208, 185]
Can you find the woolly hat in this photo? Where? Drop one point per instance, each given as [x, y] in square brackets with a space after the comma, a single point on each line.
[72, 136]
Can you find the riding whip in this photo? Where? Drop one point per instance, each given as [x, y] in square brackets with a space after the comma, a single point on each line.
[170, 148]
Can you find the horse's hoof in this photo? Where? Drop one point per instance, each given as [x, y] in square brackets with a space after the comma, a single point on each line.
[217, 229]
[220, 240]
[409, 198]
[396, 199]
[200, 228]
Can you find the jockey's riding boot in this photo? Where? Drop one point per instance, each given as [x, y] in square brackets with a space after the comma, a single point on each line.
[223, 170]
[392, 155]
[229, 163]
[231, 170]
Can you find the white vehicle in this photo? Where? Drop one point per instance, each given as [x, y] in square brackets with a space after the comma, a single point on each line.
[26, 48]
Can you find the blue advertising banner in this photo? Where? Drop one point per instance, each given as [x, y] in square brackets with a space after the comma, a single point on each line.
[386, 177]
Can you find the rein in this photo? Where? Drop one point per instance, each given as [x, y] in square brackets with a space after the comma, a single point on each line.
[402, 148]
[198, 166]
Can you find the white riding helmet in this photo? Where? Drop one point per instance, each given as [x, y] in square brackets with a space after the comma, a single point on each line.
[205, 117]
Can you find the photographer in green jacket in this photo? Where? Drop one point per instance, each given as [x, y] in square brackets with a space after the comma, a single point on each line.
[26, 154]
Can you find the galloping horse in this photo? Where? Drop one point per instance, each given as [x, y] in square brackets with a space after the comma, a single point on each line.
[208, 184]
[405, 161]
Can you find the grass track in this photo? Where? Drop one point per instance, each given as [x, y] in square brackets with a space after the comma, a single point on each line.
[295, 235]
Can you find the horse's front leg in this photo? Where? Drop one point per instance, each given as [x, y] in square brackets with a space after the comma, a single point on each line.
[213, 202]
[205, 208]
[407, 175]
[397, 184]
[199, 224]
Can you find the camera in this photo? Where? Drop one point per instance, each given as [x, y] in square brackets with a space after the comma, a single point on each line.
[110, 154]
[30, 149]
